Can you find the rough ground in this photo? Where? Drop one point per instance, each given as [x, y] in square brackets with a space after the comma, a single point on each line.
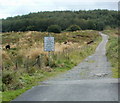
[91, 80]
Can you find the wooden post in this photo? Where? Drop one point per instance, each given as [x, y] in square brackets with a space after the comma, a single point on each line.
[38, 61]
[27, 63]
[16, 65]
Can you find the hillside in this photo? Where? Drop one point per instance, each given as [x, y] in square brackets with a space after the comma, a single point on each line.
[26, 63]
[91, 19]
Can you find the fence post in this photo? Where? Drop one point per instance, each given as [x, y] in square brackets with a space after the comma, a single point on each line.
[16, 65]
[39, 60]
[27, 63]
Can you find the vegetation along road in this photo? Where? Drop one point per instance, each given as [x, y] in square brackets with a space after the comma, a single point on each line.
[91, 80]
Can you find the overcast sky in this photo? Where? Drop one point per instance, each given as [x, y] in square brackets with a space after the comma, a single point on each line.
[10, 8]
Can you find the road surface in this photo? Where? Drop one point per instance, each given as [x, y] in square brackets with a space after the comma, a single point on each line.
[91, 80]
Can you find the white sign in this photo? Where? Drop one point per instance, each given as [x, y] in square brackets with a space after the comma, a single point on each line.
[49, 43]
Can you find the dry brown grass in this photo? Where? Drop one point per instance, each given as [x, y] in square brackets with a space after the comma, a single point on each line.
[59, 47]
[37, 49]
[5, 55]
[30, 44]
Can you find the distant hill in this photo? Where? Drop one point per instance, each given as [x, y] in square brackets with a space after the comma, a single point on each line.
[92, 19]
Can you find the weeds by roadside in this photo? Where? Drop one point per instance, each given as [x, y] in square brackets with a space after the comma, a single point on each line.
[112, 51]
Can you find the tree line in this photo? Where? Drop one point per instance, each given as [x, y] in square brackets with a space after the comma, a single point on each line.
[41, 21]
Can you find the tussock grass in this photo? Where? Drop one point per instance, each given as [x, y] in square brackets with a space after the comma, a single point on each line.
[26, 63]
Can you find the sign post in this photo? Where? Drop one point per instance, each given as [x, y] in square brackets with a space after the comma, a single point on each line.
[49, 45]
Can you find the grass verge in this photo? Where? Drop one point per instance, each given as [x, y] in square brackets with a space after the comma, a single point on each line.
[112, 51]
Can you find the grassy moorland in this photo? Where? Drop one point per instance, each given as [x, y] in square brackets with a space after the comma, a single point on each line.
[112, 51]
[26, 63]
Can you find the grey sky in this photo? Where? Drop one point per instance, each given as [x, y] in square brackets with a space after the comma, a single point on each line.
[12, 8]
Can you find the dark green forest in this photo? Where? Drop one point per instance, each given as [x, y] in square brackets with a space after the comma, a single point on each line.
[40, 21]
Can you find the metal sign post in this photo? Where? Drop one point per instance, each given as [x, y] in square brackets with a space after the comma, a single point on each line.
[49, 45]
[49, 58]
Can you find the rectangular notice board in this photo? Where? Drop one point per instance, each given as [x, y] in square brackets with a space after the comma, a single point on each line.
[49, 44]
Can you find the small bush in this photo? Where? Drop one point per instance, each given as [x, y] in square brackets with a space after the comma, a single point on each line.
[10, 81]
[73, 28]
[54, 29]
[31, 70]
[8, 78]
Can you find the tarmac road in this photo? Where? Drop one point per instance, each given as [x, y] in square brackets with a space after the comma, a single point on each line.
[91, 80]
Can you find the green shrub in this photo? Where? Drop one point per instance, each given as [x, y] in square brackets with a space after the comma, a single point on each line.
[10, 81]
[54, 29]
[8, 78]
[31, 70]
[73, 28]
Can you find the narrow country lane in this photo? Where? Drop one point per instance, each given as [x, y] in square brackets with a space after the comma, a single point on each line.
[91, 80]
